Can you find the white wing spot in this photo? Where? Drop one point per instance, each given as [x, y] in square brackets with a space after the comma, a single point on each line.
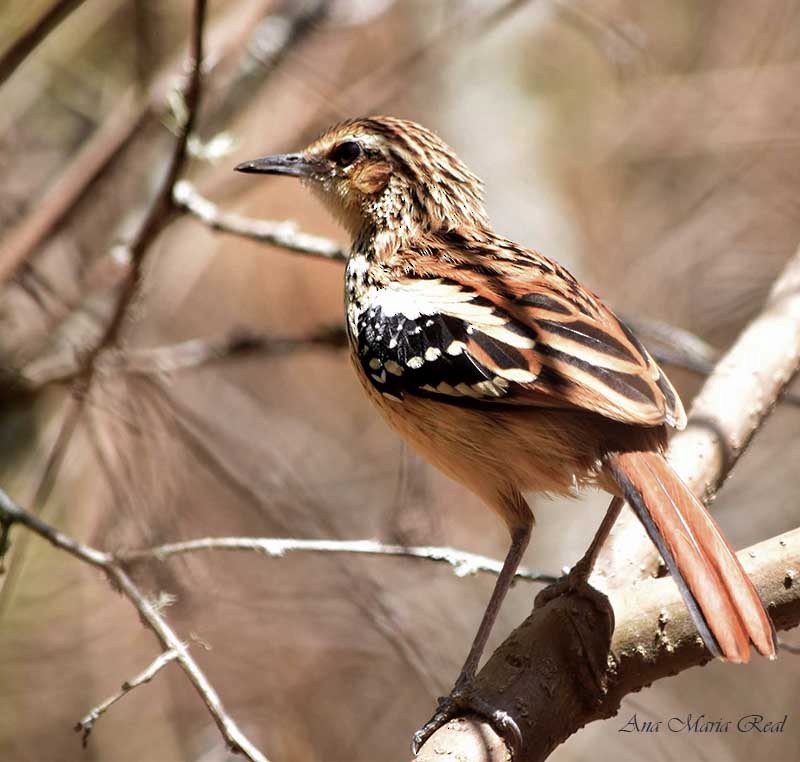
[380, 379]
[456, 348]
[432, 354]
[415, 362]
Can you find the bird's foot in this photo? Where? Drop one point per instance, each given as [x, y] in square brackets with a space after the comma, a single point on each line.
[576, 581]
[464, 699]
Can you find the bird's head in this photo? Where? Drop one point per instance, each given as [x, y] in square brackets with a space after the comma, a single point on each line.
[384, 173]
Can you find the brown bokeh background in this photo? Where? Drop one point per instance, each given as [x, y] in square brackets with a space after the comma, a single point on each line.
[651, 147]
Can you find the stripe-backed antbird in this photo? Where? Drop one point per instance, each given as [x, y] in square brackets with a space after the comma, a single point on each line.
[506, 373]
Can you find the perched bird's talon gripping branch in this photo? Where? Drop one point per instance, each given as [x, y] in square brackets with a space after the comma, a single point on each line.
[505, 372]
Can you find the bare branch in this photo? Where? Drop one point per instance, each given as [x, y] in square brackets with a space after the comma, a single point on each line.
[109, 139]
[106, 143]
[161, 207]
[463, 563]
[26, 43]
[284, 234]
[86, 725]
[11, 513]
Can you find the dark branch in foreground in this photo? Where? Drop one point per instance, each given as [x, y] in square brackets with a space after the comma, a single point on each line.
[161, 207]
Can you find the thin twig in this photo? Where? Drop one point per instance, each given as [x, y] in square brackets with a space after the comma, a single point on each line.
[11, 513]
[463, 563]
[43, 482]
[86, 724]
[283, 234]
[160, 210]
[155, 219]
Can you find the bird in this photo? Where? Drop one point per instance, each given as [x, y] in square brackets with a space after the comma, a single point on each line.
[507, 374]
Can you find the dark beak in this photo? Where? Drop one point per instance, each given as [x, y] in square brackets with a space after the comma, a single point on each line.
[293, 164]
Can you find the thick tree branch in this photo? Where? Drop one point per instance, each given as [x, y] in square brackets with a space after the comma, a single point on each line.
[563, 668]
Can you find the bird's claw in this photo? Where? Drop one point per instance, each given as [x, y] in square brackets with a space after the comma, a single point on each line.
[575, 581]
[465, 699]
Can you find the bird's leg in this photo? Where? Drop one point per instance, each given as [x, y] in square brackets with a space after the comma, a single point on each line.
[519, 541]
[579, 574]
[463, 696]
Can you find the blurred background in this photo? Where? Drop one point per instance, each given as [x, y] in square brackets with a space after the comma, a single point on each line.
[650, 147]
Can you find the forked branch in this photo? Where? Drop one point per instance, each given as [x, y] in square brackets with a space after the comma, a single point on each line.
[11, 514]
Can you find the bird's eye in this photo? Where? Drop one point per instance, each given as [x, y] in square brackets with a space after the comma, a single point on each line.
[346, 153]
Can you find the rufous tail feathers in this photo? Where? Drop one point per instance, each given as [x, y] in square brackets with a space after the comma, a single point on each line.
[723, 602]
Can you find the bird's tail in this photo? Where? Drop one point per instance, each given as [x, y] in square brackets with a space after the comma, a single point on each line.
[721, 598]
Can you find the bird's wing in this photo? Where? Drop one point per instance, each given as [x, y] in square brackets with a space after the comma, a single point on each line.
[486, 322]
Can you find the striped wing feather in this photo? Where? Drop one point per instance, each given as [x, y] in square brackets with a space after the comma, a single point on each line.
[525, 332]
